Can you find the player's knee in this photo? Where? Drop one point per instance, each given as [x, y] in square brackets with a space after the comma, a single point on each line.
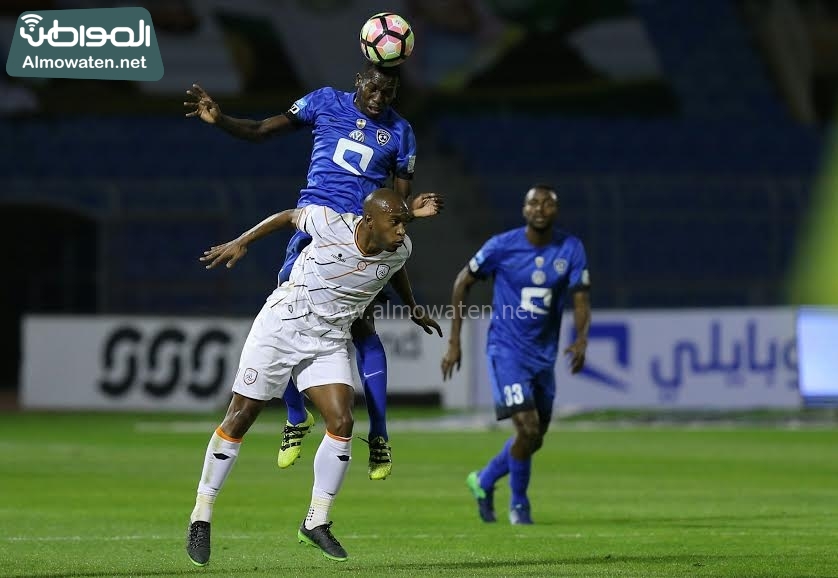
[532, 435]
[341, 424]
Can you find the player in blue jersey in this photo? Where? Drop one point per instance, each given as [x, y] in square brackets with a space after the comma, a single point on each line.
[360, 142]
[534, 269]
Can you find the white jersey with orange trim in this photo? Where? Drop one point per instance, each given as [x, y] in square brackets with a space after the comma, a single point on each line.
[333, 281]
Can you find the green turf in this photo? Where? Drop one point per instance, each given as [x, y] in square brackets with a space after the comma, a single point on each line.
[87, 495]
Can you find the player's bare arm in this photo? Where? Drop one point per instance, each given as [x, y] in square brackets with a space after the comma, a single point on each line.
[203, 106]
[231, 251]
[401, 283]
[453, 356]
[426, 205]
[582, 322]
[422, 205]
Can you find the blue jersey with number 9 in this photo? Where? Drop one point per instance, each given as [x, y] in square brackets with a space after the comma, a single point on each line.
[531, 285]
[352, 154]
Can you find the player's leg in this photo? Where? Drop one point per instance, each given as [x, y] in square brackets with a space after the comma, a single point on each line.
[527, 438]
[372, 367]
[261, 376]
[299, 421]
[221, 454]
[482, 482]
[510, 382]
[530, 427]
[331, 462]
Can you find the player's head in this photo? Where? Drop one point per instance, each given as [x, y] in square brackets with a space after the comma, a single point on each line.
[385, 216]
[541, 205]
[376, 88]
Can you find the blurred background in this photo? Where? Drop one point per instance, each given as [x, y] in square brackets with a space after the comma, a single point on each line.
[689, 143]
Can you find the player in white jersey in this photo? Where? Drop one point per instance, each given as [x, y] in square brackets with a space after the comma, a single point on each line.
[332, 282]
[303, 331]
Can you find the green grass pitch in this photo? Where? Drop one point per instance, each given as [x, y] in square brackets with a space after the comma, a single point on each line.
[110, 495]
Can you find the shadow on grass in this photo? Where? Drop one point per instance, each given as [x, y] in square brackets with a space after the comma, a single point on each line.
[717, 522]
[691, 560]
[545, 566]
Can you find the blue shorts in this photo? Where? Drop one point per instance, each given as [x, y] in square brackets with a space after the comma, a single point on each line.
[517, 387]
[296, 245]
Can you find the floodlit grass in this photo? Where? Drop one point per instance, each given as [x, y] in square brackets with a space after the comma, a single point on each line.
[110, 495]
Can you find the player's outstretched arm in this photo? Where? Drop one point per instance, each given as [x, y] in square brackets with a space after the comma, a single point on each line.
[453, 356]
[582, 322]
[234, 250]
[201, 104]
[426, 205]
[401, 283]
[422, 205]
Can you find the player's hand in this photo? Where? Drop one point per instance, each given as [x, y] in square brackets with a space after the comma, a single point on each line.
[450, 360]
[576, 355]
[230, 252]
[420, 318]
[200, 104]
[427, 205]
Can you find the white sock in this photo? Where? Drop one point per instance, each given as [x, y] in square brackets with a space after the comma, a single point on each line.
[330, 465]
[222, 452]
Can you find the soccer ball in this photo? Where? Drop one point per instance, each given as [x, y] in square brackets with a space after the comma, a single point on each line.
[386, 39]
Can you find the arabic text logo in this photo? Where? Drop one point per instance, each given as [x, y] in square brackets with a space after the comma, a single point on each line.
[92, 36]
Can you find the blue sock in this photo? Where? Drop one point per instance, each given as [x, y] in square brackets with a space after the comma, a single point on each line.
[296, 404]
[372, 365]
[497, 467]
[519, 481]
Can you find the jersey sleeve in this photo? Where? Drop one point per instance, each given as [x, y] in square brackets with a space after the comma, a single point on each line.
[580, 279]
[304, 110]
[406, 159]
[485, 261]
[324, 224]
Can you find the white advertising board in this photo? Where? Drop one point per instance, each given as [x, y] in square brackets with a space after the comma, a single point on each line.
[178, 364]
[719, 359]
[817, 336]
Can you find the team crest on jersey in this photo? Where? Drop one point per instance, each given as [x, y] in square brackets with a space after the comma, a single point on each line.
[250, 375]
[382, 270]
[560, 265]
[382, 136]
[357, 135]
[539, 261]
[539, 277]
[360, 123]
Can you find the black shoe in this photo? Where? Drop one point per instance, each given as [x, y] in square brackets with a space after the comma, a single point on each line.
[198, 543]
[321, 537]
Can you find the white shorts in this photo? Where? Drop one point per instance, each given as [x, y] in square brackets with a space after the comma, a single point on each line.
[276, 351]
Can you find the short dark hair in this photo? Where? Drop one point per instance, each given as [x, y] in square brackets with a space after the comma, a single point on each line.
[545, 186]
[389, 71]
